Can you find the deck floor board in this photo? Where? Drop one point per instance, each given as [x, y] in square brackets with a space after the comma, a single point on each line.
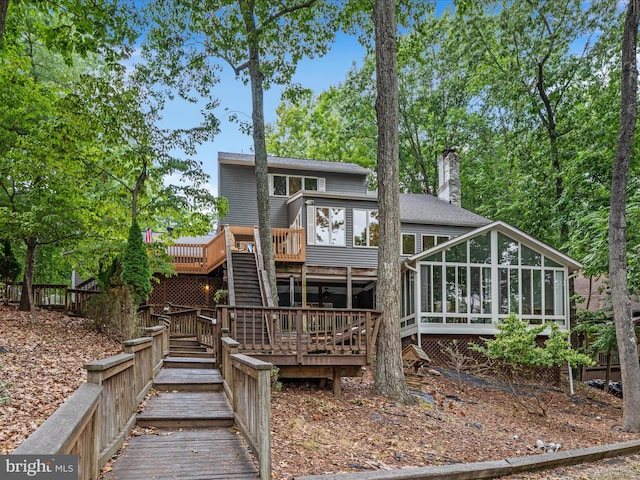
[188, 405]
[203, 453]
[188, 375]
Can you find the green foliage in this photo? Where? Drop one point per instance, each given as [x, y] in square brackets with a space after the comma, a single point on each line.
[220, 296]
[9, 266]
[114, 312]
[515, 345]
[135, 265]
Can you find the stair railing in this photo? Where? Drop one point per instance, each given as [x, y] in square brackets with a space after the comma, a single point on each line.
[230, 284]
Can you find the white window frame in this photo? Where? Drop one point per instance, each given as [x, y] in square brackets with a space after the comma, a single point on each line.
[402, 243]
[367, 213]
[321, 183]
[435, 239]
[311, 226]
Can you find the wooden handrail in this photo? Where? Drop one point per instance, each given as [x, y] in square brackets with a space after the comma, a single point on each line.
[96, 420]
[249, 382]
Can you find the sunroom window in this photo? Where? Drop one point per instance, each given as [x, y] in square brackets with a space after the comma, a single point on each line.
[485, 278]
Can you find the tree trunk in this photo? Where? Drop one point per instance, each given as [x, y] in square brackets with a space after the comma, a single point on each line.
[4, 7]
[26, 298]
[390, 380]
[620, 298]
[260, 148]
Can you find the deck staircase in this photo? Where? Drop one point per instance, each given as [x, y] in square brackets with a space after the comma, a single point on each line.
[188, 353]
[245, 280]
[187, 424]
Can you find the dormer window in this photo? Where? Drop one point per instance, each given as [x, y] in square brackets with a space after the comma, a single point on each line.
[287, 185]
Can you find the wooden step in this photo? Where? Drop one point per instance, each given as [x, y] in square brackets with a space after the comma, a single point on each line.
[186, 410]
[186, 353]
[183, 342]
[185, 379]
[188, 348]
[188, 362]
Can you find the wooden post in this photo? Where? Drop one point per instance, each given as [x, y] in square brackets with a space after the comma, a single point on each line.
[303, 274]
[337, 383]
[349, 288]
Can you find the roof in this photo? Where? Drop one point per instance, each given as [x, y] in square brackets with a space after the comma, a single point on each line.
[293, 163]
[511, 232]
[427, 209]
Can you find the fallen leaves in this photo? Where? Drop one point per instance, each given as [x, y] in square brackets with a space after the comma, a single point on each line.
[315, 432]
[41, 368]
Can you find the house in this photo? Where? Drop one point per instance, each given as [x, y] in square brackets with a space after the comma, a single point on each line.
[461, 272]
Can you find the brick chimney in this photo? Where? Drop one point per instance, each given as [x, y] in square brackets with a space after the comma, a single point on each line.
[449, 177]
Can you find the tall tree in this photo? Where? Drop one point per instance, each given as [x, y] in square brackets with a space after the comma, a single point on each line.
[390, 379]
[620, 299]
[260, 40]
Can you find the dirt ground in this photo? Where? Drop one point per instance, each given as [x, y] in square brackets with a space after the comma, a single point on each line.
[314, 432]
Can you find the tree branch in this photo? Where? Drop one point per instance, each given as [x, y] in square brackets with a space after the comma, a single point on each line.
[282, 13]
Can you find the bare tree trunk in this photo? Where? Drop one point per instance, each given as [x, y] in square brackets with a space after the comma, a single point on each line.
[4, 7]
[618, 277]
[390, 380]
[260, 147]
[26, 298]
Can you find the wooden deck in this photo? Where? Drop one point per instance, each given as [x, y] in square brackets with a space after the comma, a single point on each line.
[211, 453]
[189, 432]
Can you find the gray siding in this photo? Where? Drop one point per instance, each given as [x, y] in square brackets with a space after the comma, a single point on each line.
[237, 183]
[348, 255]
[438, 230]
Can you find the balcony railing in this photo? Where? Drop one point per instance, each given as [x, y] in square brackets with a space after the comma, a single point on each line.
[289, 246]
[302, 331]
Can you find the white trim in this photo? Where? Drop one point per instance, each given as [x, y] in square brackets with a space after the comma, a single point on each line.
[402, 235]
[510, 231]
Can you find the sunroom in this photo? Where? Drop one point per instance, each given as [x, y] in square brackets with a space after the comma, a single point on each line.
[466, 285]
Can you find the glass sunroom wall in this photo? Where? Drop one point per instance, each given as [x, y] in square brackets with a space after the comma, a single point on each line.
[485, 278]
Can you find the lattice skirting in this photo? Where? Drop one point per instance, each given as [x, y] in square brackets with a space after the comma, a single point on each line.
[191, 290]
[439, 347]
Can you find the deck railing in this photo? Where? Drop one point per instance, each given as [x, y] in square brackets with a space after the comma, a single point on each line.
[95, 421]
[287, 330]
[184, 323]
[289, 246]
[248, 385]
[77, 300]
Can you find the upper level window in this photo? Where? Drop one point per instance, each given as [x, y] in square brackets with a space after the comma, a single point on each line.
[429, 241]
[366, 228]
[408, 243]
[287, 185]
[326, 226]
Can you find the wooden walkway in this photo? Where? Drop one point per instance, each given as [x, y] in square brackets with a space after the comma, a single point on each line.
[193, 435]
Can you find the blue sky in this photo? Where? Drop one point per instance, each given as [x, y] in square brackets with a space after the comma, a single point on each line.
[317, 74]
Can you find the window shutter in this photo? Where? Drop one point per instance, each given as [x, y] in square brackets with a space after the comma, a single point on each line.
[270, 177]
[311, 225]
[322, 184]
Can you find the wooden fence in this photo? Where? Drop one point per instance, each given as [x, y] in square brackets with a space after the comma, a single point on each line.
[53, 296]
[248, 384]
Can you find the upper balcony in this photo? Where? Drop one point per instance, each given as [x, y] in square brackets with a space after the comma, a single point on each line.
[288, 246]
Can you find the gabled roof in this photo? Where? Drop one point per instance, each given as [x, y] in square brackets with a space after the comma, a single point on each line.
[293, 163]
[427, 209]
[511, 232]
